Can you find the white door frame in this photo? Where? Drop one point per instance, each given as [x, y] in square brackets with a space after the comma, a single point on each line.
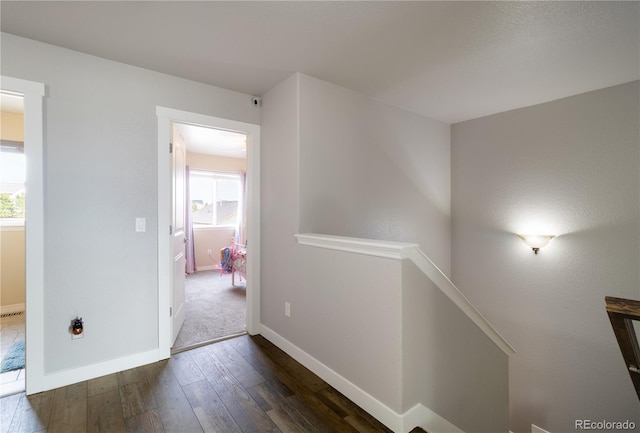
[34, 236]
[165, 117]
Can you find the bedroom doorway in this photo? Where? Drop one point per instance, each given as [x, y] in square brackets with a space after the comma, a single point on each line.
[13, 244]
[32, 94]
[215, 240]
[168, 289]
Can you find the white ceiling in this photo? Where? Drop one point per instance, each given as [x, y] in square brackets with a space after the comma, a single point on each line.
[200, 139]
[11, 103]
[451, 61]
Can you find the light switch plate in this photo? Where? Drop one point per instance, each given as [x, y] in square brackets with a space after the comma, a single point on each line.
[141, 224]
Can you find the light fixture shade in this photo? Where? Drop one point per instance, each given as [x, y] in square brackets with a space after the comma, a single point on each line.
[536, 241]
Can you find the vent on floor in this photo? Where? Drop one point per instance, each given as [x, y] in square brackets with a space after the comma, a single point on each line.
[15, 313]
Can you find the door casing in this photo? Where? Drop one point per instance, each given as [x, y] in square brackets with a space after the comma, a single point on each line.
[33, 94]
[167, 116]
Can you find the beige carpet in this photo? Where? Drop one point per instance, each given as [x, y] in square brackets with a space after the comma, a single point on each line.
[215, 308]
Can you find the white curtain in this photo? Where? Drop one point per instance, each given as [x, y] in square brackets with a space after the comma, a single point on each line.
[241, 236]
[189, 246]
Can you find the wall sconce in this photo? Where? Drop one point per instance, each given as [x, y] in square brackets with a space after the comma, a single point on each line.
[536, 241]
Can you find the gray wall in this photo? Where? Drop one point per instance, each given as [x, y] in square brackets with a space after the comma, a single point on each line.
[281, 271]
[327, 166]
[373, 171]
[100, 174]
[570, 168]
[449, 364]
[328, 320]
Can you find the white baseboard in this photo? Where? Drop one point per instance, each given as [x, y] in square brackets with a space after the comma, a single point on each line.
[11, 388]
[430, 421]
[207, 268]
[419, 415]
[13, 308]
[75, 375]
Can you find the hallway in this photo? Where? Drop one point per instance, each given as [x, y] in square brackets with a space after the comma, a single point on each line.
[245, 384]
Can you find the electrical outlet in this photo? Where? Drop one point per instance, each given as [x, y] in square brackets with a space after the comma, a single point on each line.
[209, 252]
[141, 224]
[287, 309]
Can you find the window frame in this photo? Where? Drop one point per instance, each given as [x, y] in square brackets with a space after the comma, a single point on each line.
[11, 146]
[216, 175]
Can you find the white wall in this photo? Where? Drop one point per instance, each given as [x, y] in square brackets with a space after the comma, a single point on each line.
[371, 170]
[571, 168]
[100, 174]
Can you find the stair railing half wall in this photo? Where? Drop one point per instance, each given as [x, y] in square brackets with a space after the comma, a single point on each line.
[410, 251]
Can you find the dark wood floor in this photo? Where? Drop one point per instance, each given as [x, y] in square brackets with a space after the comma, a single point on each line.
[241, 385]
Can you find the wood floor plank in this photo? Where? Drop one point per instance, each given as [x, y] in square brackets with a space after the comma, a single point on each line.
[247, 385]
[244, 345]
[146, 422]
[69, 411]
[246, 412]
[284, 421]
[279, 404]
[265, 366]
[102, 384]
[33, 413]
[104, 413]
[185, 369]
[236, 364]
[360, 424]
[316, 405]
[210, 409]
[135, 392]
[355, 413]
[300, 373]
[173, 407]
[314, 418]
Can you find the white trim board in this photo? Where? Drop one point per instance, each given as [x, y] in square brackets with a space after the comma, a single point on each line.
[33, 94]
[418, 415]
[13, 308]
[377, 248]
[165, 118]
[75, 375]
[208, 268]
[412, 251]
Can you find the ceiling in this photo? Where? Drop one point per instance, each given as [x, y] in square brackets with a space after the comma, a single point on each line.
[11, 103]
[201, 139]
[451, 61]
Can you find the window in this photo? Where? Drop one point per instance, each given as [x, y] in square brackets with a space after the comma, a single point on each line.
[12, 187]
[215, 198]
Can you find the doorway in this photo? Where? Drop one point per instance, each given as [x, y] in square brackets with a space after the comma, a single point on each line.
[12, 244]
[167, 286]
[215, 234]
[32, 94]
